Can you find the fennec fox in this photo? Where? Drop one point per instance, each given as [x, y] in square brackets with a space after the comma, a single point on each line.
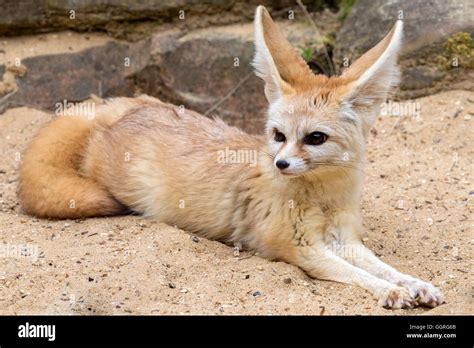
[297, 202]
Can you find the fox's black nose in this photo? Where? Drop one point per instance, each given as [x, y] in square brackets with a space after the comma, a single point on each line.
[282, 164]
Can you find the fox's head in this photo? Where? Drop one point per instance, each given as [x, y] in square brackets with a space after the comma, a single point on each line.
[314, 121]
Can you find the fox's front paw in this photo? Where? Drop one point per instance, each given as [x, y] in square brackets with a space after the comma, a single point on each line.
[424, 293]
[397, 297]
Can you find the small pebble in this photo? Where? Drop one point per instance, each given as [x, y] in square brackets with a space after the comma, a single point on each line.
[171, 285]
[195, 239]
[256, 293]
[287, 280]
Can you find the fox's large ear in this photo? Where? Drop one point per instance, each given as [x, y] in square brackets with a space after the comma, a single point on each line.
[373, 74]
[276, 61]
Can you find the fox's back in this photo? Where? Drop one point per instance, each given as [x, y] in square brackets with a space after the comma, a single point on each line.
[170, 164]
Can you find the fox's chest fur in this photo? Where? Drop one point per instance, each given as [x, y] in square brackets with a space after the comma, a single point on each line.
[172, 167]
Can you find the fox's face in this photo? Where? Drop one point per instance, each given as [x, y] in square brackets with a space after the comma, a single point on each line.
[317, 122]
[308, 132]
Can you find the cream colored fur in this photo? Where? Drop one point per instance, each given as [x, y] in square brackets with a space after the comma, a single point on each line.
[164, 162]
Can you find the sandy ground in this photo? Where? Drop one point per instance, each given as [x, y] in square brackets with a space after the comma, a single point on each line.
[417, 215]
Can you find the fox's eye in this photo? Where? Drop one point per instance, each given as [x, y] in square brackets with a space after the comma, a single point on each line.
[279, 136]
[315, 138]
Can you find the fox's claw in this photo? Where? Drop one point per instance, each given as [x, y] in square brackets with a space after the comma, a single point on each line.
[424, 293]
[396, 298]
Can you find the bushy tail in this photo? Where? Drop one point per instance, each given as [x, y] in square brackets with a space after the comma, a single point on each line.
[49, 183]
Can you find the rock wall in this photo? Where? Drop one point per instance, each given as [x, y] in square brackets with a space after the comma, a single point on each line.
[198, 70]
[115, 16]
[428, 25]
[207, 70]
[203, 60]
